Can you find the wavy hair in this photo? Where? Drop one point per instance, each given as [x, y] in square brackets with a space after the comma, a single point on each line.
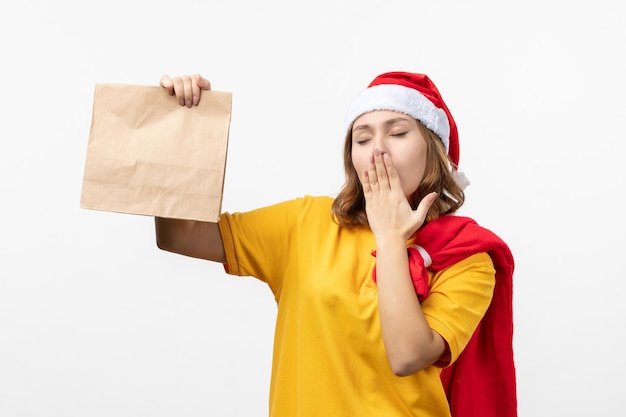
[348, 207]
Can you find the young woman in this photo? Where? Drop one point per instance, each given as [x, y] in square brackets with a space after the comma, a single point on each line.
[388, 303]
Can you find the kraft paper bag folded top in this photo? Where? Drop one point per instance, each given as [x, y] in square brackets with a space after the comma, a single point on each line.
[148, 155]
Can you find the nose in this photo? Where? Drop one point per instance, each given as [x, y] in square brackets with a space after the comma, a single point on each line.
[380, 143]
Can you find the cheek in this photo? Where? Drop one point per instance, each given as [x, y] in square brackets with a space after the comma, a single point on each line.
[359, 161]
[410, 167]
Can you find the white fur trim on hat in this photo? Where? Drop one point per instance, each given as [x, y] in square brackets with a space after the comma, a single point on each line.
[404, 100]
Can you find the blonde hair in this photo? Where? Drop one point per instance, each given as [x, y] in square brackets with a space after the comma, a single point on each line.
[349, 205]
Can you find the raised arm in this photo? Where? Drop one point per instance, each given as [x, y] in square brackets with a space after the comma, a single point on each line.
[410, 343]
[187, 237]
[190, 238]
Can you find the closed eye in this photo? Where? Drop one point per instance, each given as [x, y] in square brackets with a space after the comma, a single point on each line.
[362, 141]
[399, 134]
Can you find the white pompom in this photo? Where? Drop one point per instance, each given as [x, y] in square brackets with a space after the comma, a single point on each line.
[461, 178]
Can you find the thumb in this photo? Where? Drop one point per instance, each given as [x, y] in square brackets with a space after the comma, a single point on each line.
[424, 206]
[167, 83]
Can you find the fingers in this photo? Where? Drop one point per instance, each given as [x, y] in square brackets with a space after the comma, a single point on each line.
[381, 174]
[186, 88]
[382, 180]
[390, 172]
[386, 203]
[203, 83]
[365, 183]
[198, 84]
[369, 179]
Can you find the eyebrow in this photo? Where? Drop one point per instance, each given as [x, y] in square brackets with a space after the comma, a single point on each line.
[387, 122]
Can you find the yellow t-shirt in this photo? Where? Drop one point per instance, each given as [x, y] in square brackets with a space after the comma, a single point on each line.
[329, 359]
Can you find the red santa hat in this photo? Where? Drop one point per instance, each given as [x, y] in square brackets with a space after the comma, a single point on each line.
[414, 95]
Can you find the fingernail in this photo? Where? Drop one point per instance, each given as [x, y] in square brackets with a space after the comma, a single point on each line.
[376, 152]
[188, 103]
[195, 100]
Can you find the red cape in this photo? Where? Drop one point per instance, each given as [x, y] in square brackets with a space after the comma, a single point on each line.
[481, 382]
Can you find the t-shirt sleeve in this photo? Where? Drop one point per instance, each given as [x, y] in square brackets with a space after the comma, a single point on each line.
[257, 242]
[458, 299]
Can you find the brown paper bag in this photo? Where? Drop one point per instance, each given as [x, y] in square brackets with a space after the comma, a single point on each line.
[148, 155]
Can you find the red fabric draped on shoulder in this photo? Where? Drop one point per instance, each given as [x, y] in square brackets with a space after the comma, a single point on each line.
[482, 382]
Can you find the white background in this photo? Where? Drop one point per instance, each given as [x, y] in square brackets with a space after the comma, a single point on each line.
[96, 321]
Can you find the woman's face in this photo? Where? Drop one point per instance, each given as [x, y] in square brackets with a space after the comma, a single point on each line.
[397, 135]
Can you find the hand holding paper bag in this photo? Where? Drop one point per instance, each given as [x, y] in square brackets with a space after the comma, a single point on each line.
[148, 155]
